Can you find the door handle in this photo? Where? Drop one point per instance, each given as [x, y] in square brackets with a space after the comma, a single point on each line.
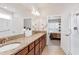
[67, 35]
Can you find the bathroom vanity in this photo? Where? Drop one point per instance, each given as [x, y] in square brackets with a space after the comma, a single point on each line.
[34, 48]
[32, 45]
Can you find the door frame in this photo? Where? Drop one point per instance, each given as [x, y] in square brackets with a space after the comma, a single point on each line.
[50, 17]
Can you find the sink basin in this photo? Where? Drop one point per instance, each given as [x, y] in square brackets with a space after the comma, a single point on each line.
[10, 46]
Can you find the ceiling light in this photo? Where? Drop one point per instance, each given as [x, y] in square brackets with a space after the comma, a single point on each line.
[5, 7]
[35, 12]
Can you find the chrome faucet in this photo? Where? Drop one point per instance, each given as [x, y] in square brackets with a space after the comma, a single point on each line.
[2, 41]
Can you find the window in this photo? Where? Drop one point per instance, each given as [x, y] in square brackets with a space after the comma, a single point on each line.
[5, 21]
[53, 27]
[5, 16]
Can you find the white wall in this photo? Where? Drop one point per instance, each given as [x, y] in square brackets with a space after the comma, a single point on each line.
[39, 23]
[5, 30]
[16, 23]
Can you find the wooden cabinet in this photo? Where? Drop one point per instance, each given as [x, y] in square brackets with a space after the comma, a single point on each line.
[31, 46]
[23, 51]
[37, 41]
[41, 46]
[31, 52]
[42, 43]
[41, 49]
[44, 40]
[35, 48]
[55, 36]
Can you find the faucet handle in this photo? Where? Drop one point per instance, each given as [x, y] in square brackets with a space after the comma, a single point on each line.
[2, 40]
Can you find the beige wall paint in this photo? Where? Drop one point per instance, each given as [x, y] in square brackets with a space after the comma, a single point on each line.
[18, 14]
[45, 9]
[39, 23]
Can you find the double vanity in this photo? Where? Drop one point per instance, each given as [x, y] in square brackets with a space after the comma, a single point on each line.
[32, 45]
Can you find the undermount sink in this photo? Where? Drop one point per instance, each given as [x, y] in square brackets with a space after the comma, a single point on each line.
[10, 46]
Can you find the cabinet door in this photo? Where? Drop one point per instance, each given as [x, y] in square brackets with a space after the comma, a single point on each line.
[40, 47]
[43, 41]
[37, 41]
[41, 44]
[31, 52]
[31, 46]
[37, 49]
[23, 51]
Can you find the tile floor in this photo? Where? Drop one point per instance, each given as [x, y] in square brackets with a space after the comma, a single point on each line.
[53, 48]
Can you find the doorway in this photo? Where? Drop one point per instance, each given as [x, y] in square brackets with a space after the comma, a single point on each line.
[53, 44]
[54, 30]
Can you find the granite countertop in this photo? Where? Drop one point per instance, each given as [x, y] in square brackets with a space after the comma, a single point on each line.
[25, 41]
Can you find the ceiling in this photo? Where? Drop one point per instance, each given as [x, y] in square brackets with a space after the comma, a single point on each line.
[43, 8]
[46, 9]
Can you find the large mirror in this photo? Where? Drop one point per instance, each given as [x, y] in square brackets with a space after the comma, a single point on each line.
[5, 22]
[27, 26]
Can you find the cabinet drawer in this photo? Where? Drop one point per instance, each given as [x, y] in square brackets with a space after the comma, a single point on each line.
[31, 46]
[37, 41]
[23, 51]
[31, 52]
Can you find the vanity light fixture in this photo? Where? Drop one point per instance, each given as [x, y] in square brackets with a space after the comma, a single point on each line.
[35, 12]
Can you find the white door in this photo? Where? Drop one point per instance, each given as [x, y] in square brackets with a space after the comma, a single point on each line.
[75, 35]
[66, 34]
